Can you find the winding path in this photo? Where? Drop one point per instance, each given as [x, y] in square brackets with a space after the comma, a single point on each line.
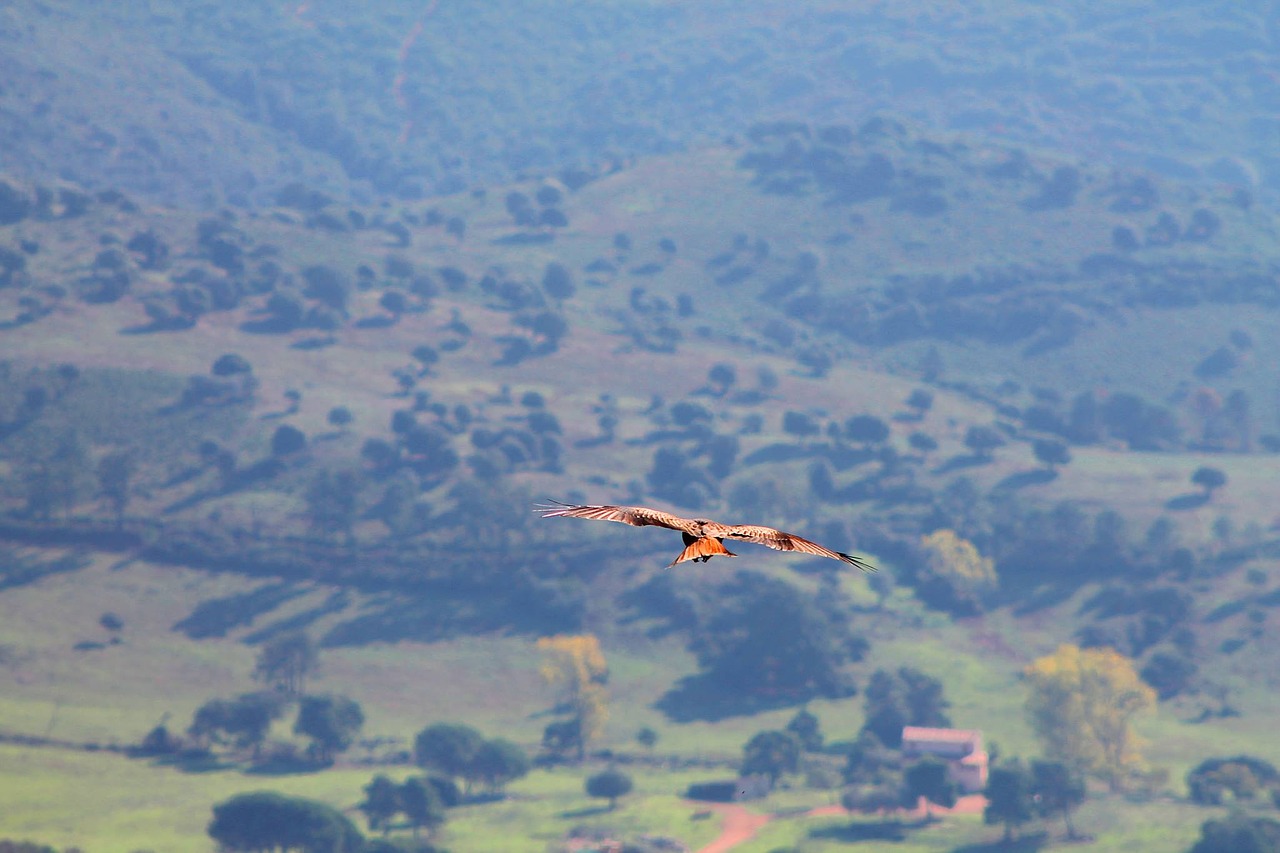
[740, 824]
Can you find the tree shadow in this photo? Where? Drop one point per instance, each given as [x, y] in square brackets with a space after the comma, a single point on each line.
[590, 811]
[314, 343]
[1025, 844]
[377, 321]
[852, 833]
[198, 762]
[286, 767]
[699, 698]
[959, 463]
[1185, 502]
[1022, 479]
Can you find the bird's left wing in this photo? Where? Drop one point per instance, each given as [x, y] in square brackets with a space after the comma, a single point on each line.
[779, 541]
[637, 516]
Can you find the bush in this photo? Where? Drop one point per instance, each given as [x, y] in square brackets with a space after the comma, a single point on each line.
[286, 440]
[608, 785]
[713, 792]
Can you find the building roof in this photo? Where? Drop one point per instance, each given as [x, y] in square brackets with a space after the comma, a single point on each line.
[921, 733]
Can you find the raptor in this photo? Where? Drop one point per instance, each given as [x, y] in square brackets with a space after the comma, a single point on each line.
[703, 538]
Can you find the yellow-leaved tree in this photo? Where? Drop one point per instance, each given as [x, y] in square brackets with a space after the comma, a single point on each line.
[956, 562]
[575, 665]
[1082, 704]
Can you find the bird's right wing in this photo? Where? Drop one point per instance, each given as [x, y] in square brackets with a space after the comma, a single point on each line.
[636, 516]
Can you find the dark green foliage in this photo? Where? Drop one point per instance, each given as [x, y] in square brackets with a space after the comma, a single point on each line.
[381, 802]
[608, 785]
[284, 662]
[421, 804]
[905, 698]
[1243, 777]
[115, 480]
[1051, 452]
[922, 442]
[287, 440]
[928, 778]
[799, 424]
[331, 722]
[647, 738]
[1057, 790]
[498, 762]
[766, 638]
[1238, 833]
[557, 281]
[265, 820]
[1209, 479]
[331, 502]
[326, 285]
[866, 429]
[713, 792]
[340, 416]
[243, 721]
[920, 401]
[772, 753]
[982, 439]
[1169, 673]
[805, 726]
[450, 748]
[1009, 797]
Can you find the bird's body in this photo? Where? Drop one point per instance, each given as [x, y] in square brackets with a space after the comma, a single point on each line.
[703, 538]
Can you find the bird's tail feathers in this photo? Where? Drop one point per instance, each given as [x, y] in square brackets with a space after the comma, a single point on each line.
[704, 548]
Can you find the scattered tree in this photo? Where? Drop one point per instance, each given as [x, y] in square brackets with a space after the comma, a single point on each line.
[609, 785]
[575, 665]
[115, 473]
[929, 778]
[866, 429]
[647, 738]
[331, 722]
[1057, 789]
[920, 401]
[805, 726]
[1009, 798]
[1082, 703]
[1239, 833]
[908, 697]
[956, 564]
[450, 748]
[772, 753]
[265, 820]
[286, 440]
[242, 721]
[1051, 452]
[285, 662]
[421, 804]
[498, 762]
[982, 439]
[381, 802]
[1209, 479]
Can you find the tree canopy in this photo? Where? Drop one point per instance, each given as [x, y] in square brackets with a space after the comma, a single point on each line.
[608, 785]
[575, 666]
[772, 753]
[1082, 703]
[285, 662]
[265, 820]
[331, 722]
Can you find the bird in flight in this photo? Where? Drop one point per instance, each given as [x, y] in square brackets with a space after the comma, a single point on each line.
[703, 539]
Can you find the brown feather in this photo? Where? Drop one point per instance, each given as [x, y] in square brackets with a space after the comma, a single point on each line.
[636, 516]
[702, 537]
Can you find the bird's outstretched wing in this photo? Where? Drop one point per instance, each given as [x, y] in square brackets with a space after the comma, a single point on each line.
[637, 516]
[779, 541]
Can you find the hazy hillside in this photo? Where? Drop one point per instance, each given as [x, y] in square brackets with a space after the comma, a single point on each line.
[206, 104]
[303, 309]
